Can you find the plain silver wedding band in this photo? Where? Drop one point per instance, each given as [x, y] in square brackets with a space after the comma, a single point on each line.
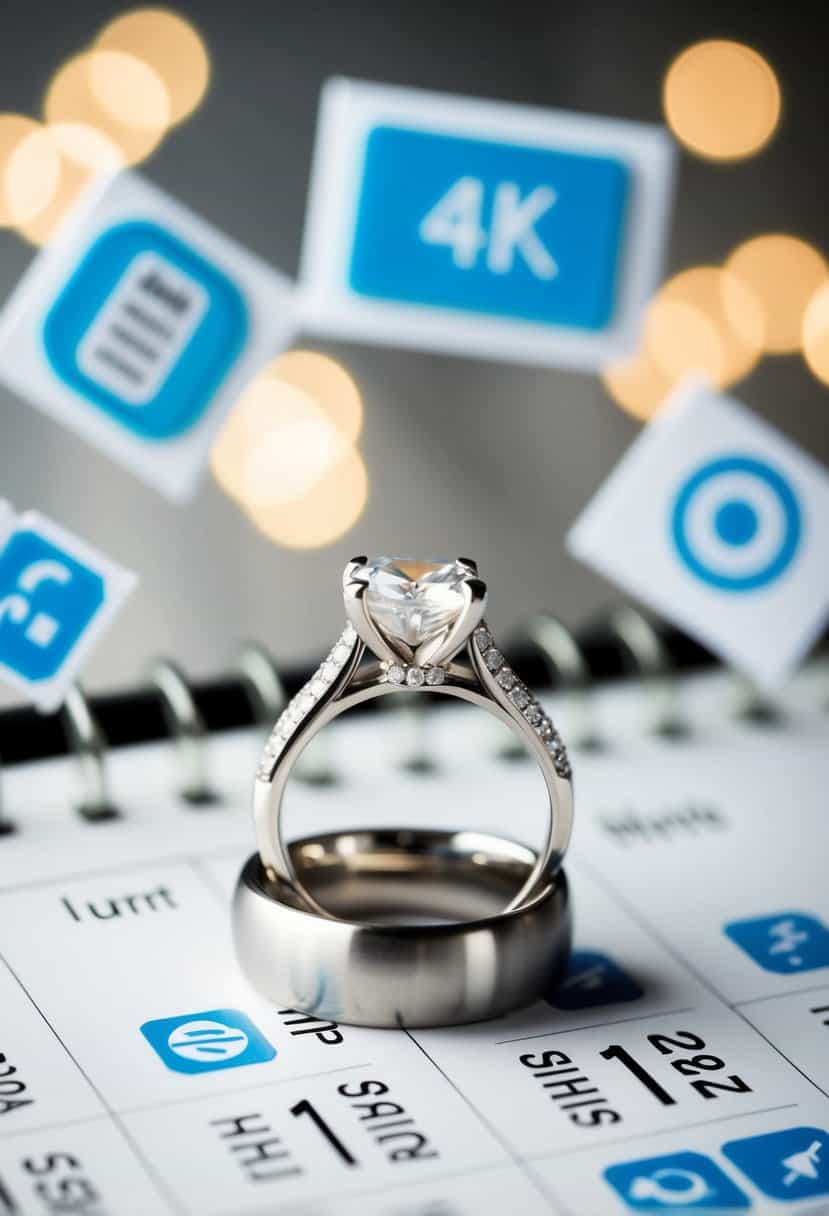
[417, 937]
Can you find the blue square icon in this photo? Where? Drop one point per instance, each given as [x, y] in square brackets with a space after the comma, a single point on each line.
[593, 979]
[48, 599]
[207, 1041]
[676, 1182]
[146, 329]
[786, 943]
[493, 228]
[792, 1164]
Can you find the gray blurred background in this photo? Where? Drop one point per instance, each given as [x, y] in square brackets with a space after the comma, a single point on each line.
[468, 457]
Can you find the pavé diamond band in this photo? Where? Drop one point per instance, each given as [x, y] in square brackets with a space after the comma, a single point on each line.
[412, 625]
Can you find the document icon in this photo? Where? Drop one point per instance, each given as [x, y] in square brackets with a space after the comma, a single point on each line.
[146, 329]
[139, 328]
[142, 330]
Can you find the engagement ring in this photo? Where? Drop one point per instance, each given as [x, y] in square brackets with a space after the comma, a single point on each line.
[413, 627]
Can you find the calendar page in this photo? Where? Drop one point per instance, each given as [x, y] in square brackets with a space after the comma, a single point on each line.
[682, 1065]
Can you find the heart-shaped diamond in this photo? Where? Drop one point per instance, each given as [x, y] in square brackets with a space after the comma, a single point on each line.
[411, 600]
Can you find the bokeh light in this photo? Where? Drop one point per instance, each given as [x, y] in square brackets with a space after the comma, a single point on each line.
[116, 94]
[689, 329]
[327, 383]
[783, 272]
[237, 436]
[721, 99]
[86, 146]
[293, 453]
[170, 46]
[638, 384]
[287, 455]
[322, 515]
[72, 184]
[30, 166]
[276, 445]
[682, 339]
[816, 333]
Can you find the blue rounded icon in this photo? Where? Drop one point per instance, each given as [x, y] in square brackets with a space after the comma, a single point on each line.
[789, 1165]
[146, 329]
[47, 601]
[207, 1041]
[736, 523]
[678, 1182]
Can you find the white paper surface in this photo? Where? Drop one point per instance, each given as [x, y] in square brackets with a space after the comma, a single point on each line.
[106, 927]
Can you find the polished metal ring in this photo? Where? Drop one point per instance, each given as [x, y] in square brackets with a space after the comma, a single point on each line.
[413, 626]
[419, 938]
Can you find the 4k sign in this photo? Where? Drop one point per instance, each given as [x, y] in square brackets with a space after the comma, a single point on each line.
[456, 221]
[537, 234]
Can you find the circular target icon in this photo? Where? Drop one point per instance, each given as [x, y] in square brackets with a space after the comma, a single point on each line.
[736, 523]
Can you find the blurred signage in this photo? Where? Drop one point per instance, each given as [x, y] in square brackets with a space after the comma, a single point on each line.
[786, 943]
[482, 228]
[139, 328]
[57, 595]
[720, 523]
[593, 979]
[676, 1182]
[789, 1164]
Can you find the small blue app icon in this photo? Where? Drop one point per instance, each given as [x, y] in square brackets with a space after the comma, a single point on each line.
[146, 329]
[676, 1182]
[207, 1041]
[47, 600]
[786, 943]
[593, 979]
[792, 1164]
[493, 228]
[736, 523]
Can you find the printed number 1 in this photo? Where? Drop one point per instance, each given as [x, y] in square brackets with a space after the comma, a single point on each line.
[616, 1052]
[456, 221]
[307, 1108]
[686, 1066]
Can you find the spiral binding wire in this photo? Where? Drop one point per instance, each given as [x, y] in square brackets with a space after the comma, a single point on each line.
[87, 741]
[650, 660]
[624, 643]
[7, 826]
[186, 726]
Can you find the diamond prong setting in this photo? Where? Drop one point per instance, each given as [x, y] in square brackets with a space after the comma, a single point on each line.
[412, 611]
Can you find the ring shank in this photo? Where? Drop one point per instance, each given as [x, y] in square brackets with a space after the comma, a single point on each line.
[277, 858]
